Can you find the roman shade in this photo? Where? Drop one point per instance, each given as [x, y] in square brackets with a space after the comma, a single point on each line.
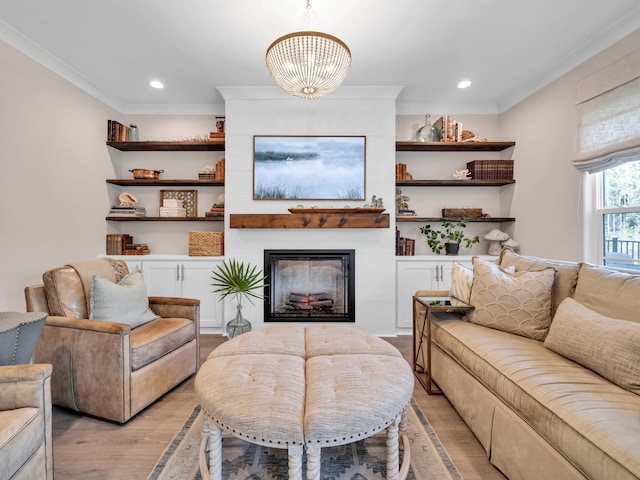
[609, 116]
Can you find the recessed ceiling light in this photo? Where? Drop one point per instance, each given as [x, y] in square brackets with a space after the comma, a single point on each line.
[464, 84]
[156, 84]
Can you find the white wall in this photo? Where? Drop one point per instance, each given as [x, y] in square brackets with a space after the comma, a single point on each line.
[54, 163]
[249, 112]
[547, 197]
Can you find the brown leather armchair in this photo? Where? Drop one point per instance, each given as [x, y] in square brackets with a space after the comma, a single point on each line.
[105, 368]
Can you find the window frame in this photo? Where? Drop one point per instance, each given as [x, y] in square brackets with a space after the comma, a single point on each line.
[600, 211]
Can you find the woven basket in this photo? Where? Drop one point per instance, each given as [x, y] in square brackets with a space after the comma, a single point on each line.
[206, 244]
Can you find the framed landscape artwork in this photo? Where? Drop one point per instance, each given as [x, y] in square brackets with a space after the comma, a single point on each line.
[309, 168]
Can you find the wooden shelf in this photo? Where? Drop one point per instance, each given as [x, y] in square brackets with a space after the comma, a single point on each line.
[453, 183]
[186, 182]
[311, 220]
[165, 219]
[167, 146]
[453, 146]
[437, 219]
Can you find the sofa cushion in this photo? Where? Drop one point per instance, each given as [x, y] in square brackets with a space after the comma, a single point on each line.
[461, 281]
[608, 292]
[155, 339]
[587, 418]
[605, 345]
[518, 303]
[21, 434]
[122, 302]
[566, 272]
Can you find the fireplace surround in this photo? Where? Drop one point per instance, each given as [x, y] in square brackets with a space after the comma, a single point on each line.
[309, 285]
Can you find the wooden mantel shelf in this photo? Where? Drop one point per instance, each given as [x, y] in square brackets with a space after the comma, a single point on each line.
[311, 220]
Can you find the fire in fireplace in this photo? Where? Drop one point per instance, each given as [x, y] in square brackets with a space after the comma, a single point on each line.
[309, 285]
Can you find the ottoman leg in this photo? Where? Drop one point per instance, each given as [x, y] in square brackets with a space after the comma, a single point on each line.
[313, 462]
[392, 450]
[211, 440]
[295, 462]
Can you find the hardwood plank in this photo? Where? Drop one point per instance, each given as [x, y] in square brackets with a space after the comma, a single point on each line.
[87, 448]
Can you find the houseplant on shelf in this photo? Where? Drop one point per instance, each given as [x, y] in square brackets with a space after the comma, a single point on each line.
[242, 281]
[450, 237]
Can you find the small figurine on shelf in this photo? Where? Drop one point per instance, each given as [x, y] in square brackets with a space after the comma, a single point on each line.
[376, 202]
[462, 174]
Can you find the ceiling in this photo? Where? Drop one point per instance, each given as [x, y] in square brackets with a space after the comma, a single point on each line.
[508, 49]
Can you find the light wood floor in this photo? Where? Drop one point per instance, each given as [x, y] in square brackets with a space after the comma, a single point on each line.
[92, 449]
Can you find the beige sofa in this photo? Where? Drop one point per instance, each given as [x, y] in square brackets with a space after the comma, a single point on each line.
[25, 422]
[555, 401]
[106, 367]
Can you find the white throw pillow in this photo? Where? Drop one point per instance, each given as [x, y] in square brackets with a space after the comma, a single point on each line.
[607, 346]
[518, 303]
[123, 302]
[461, 280]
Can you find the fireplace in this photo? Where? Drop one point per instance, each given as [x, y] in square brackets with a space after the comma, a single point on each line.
[309, 286]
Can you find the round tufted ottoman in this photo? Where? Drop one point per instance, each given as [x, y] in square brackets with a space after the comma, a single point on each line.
[304, 388]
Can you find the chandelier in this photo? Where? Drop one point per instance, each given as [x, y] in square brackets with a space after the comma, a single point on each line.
[308, 64]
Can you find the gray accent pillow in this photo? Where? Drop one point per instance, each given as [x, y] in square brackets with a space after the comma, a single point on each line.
[607, 346]
[122, 302]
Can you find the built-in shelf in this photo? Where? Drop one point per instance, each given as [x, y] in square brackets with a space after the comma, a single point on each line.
[167, 146]
[453, 146]
[165, 219]
[185, 182]
[311, 220]
[453, 183]
[437, 219]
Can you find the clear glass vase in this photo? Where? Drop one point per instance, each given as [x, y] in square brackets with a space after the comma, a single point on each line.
[427, 132]
[239, 324]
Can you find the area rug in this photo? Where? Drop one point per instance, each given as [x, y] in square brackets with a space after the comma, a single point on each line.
[363, 460]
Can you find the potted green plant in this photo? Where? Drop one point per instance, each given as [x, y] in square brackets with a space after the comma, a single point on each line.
[241, 281]
[449, 237]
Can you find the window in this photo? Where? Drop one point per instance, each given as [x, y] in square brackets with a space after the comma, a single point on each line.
[618, 215]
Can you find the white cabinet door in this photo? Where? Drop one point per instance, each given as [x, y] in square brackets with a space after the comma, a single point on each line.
[196, 283]
[163, 277]
[186, 279]
[411, 276]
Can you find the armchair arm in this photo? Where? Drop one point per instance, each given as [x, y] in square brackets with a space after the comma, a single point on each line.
[176, 307]
[24, 386]
[90, 358]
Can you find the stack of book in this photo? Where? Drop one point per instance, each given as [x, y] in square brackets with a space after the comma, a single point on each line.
[117, 132]
[172, 207]
[216, 210]
[406, 213]
[405, 246]
[491, 169]
[216, 136]
[136, 249]
[401, 171]
[122, 244]
[450, 130]
[127, 211]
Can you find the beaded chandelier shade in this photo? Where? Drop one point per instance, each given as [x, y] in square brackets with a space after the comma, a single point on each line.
[308, 64]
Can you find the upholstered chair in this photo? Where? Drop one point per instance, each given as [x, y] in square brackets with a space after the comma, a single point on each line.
[114, 350]
[26, 451]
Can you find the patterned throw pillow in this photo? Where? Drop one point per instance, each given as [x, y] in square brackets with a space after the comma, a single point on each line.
[607, 346]
[122, 302]
[519, 303]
